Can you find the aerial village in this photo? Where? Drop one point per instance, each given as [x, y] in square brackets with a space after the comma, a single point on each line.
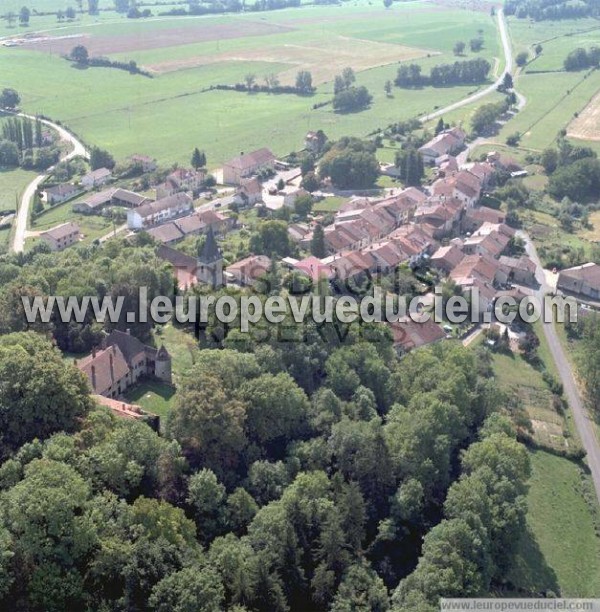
[442, 226]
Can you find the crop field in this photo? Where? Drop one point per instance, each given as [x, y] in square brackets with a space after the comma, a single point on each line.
[586, 125]
[323, 58]
[166, 116]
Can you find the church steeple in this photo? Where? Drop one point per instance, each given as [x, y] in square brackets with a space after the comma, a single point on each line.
[210, 252]
[210, 262]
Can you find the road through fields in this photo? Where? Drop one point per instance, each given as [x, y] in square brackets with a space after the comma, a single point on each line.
[508, 62]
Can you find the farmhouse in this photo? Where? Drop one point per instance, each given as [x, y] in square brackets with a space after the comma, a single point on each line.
[467, 187]
[154, 213]
[184, 266]
[350, 264]
[387, 254]
[408, 334]
[520, 269]
[503, 162]
[129, 199]
[481, 267]
[250, 191]
[446, 258]
[443, 215]
[583, 280]
[446, 142]
[93, 203]
[446, 164]
[314, 268]
[490, 239]
[181, 179]
[291, 194]
[474, 218]
[147, 164]
[298, 231]
[414, 241]
[220, 224]
[60, 193]
[247, 164]
[483, 171]
[191, 225]
[492, 243]
[61, 236]
[96, 178]
[248, 270]
[168, 233]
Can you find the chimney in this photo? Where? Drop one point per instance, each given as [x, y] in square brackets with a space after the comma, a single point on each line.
[128, 331]
[112, 372]
[94, 352]
[94, 378]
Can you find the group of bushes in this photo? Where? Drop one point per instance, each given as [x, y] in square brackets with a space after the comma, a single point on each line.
[459, 73]
[580, 59]
[256, 88]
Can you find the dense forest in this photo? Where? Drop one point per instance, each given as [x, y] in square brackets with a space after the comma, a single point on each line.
[312, 470]
[542, 10]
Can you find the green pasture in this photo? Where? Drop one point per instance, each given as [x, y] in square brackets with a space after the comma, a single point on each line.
[167, 116]
[462, 116]
[527, 32]
[561, 549]
[558, 39]
[170, 114]
[12, 184]
[552, 101]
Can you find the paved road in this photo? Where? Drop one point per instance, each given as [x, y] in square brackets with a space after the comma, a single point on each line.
[584, 424]
[78, 149]
[484, 92]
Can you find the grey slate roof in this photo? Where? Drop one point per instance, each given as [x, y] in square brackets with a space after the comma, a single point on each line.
[210, 251]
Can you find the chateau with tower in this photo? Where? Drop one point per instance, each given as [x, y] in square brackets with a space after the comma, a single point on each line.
[120, 361]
